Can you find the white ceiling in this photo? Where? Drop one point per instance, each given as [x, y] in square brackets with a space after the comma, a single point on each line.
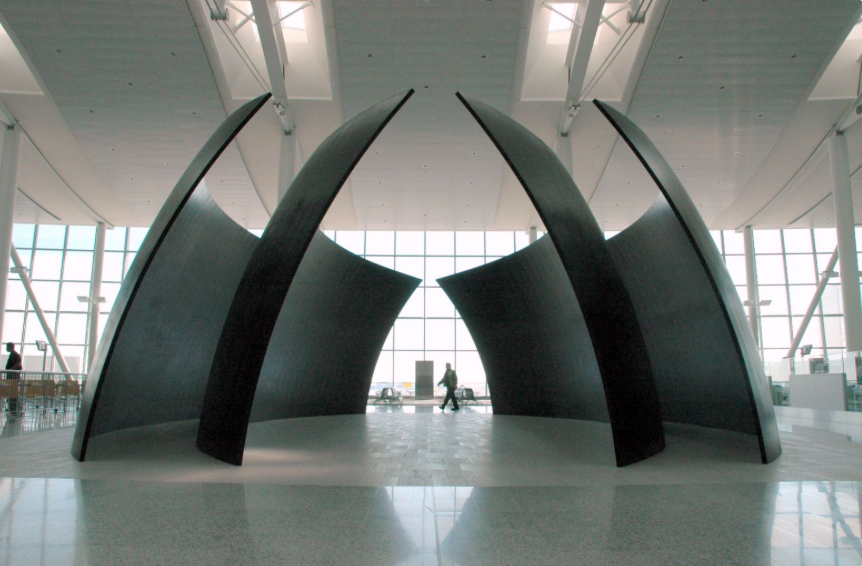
[122, 94]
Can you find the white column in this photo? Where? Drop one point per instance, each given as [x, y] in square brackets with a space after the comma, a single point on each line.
[96, 293]
[842, 196]
[751, 283]
[532, 235]
[286, 163]
[563, 149]
[9, 159]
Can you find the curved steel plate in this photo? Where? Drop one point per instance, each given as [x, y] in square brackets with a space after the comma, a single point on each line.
[741, 352]
[332, 326]
[531, 336]
[621, 352]
[244, 341]
[139, 280]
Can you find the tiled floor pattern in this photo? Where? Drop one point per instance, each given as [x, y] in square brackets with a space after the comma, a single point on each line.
[61, 522]
[412, 485]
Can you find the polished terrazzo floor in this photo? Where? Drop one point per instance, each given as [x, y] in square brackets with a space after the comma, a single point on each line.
[412, 485]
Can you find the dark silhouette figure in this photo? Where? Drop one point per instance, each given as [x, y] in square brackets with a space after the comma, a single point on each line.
[450, 381]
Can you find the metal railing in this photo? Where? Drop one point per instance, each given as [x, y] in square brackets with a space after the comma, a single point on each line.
[25, 391]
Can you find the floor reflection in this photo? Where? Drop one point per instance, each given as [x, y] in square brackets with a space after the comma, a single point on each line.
[36, 420]
[58, 521]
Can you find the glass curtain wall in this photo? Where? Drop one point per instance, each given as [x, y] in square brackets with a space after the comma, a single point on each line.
[59, 260]
[429, 327]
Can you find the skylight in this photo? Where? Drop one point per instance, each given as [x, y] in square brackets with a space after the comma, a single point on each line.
[562, 14]
[296, 19]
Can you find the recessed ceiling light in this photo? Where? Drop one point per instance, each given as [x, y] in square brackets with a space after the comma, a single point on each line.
[425, 166]
[760, 115]
[737, 153]
[628, 182]
[681, 57]
[683, 166]
[59, 51]
[474, 153]
[721, 88]
[376, 153]
[194, 113]
[132, 179]
[92, 111]
[370, 56]
[130, 84]
[173, 54]
[658, 115]
[112, 149]
[793, 56]
[167, 162]
[426, 86]
[484, 57]
[718, 182]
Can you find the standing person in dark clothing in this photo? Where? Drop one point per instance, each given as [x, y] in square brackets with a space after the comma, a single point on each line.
[450, 381]
[14, 360]
[13, 363]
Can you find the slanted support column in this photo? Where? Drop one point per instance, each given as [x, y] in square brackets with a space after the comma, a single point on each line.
[96, 293]
[751, 283]
[40, 314]
[842, 196]
[9, 159]
[286, 163]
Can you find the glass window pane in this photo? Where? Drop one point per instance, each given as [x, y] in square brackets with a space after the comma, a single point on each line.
[831, 301]
[136, 238]
[469, 243]
[797, 241]
[404, 370]
[736, 268]
[72, 328]
[415, 305]
[440, 359]
[50, 237]
[16, 296]
[112, 266]
[69, 294]
[414, 266]
[110, 292]
[834, 331]
[409, 334]
[385, 261]
[734, 243]
[800, 269]
[823, 263]
[74, 356]
[800, 298]
[383, 369]
[437, 304]
[47, 293]
[440, 334]
[499, 243]
[78, 266]
[443, 243]
[410, 243]
[716, 237]
[26, 256]
[490, 259]
[46, 264]
[471, 373]
[81, 238]
[770, 269]
[825, 240]
[329, 234]
[522, 240]
[767, 242]
[387, 345]
[773, 355]
[130, 258]
[610, 234]
[437, 267]
[778, 296]
[775, 332]
[351, 241]
[115, 239]
[22, 235]
[13, 327]
[465, 263]
[742, 291]
[380, 243]
[34, 331]
[463, 339]
[813, 334]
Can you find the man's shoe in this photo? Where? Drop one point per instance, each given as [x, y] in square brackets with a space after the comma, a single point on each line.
[456, 409]
[443, 407]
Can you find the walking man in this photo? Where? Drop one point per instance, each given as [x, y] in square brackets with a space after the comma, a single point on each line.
[450, 382]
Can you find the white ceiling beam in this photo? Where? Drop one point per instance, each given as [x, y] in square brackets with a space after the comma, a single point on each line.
[851, 116]
[581, 47]
[271, 38]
